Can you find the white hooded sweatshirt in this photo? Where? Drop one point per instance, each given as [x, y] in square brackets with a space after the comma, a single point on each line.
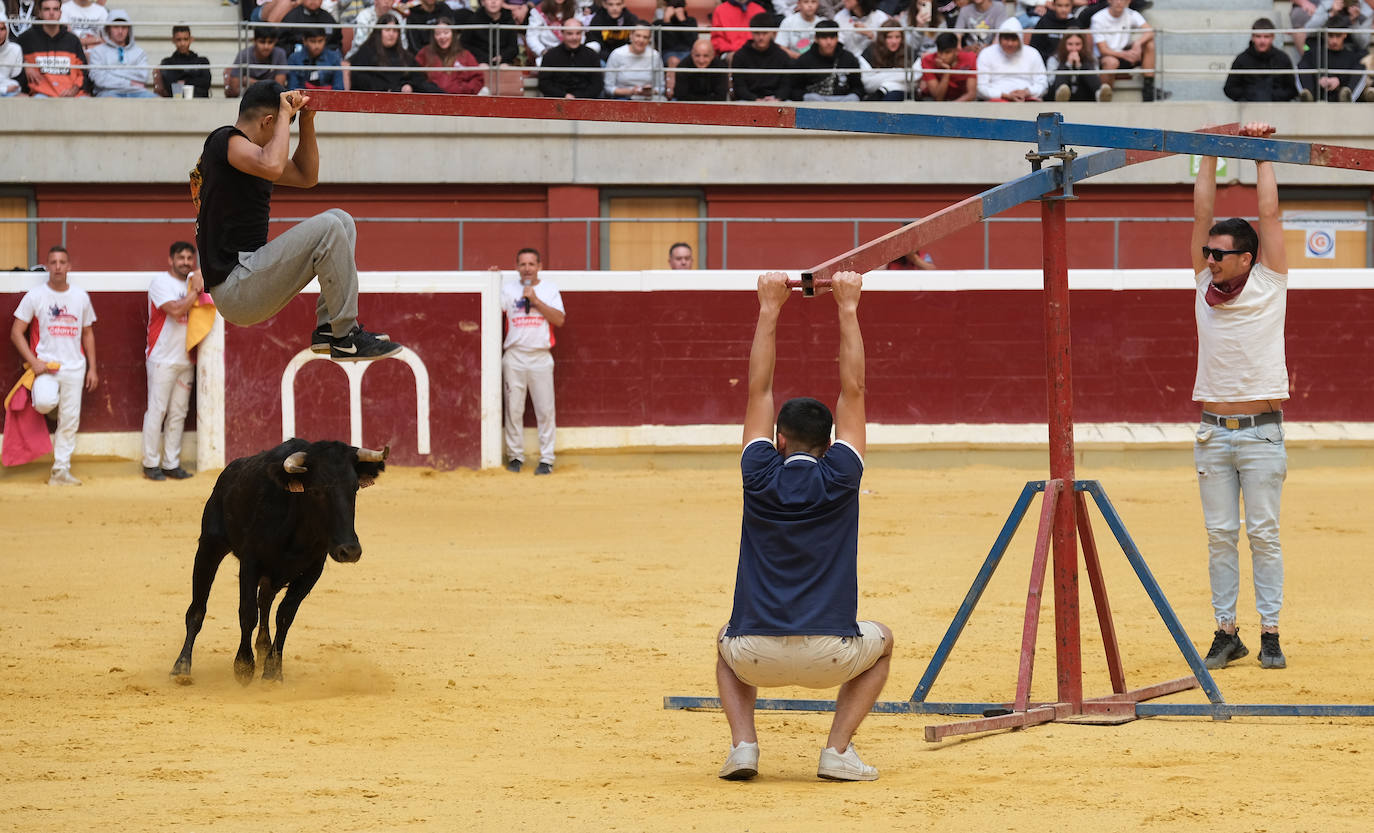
[127, 66]
[1000, 73]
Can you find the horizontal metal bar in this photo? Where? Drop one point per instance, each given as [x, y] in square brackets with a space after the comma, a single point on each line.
[1030, 717]
[515, 107]
[1251, 710]
[843, 120]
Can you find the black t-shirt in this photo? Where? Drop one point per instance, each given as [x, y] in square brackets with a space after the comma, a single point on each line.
[234, 208]
[289, 36]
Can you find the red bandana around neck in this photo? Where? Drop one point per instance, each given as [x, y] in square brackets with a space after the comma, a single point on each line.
[1218, 294]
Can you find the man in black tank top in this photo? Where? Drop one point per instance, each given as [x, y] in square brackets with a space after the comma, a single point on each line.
[250, 278]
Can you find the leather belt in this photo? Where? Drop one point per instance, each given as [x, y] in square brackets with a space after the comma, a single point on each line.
[1246, 421]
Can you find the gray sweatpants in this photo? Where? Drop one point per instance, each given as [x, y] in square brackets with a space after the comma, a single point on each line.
[267, 280]
[528, 371]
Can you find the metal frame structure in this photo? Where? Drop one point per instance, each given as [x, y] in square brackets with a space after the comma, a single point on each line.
[1063, 519]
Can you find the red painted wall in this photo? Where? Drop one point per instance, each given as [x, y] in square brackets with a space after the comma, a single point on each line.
[680, 358]
[442, 329]
[751, 246]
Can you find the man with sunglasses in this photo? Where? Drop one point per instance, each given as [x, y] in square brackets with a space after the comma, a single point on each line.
[1242, 380]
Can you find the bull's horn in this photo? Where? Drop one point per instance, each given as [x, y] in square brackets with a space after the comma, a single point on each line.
[367, 455]
[295, 464]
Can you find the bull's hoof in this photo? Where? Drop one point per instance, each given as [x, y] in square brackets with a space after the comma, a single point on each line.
[181, 672]
[271, 668]
[243, 670]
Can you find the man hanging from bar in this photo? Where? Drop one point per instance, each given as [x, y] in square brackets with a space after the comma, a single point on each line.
[1242, 381]
[796, 587]
[250, 278]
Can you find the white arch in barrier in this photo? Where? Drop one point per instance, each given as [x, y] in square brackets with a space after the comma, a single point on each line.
[354, 371]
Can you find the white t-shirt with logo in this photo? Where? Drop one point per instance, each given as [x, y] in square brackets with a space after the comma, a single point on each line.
[1240, 349]
[166, 334]
[528, 329]
[60, 319]
[85, 21]
[1115, 33]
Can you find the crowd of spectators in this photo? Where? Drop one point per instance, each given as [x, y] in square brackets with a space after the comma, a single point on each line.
[1334, 66]
[748, 50]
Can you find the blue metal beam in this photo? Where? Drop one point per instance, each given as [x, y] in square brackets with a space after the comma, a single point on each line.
[1092, 135]
[1221, 711]
[1217, 711]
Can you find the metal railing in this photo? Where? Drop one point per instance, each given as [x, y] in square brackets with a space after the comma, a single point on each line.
[914, 40]
[591, 227]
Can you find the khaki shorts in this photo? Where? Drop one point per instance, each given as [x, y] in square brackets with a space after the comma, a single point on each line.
[808, 661]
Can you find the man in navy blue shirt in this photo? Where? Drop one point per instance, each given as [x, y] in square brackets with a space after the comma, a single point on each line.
[797, 589]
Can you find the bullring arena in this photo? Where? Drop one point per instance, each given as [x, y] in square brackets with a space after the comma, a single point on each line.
[499, 658]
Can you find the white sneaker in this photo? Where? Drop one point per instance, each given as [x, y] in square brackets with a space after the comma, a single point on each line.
[62, 477]
[1063, 92]
[743, 762]
[1104, 93]
[845, 767]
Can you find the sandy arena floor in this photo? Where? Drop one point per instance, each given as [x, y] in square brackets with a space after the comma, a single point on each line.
[497, 661]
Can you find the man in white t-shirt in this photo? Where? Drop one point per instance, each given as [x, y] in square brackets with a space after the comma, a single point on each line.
[170, 369]
[1124, 41]
[1242, 381]
[533, 307]
[86, 19]
[60, 349]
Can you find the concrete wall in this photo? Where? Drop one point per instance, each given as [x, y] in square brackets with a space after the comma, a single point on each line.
[115, 141]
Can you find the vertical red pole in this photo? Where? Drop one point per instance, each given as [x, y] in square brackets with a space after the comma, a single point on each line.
[1059, 370]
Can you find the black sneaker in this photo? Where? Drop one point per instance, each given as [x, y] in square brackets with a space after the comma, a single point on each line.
[360, 346]
[544, 468]
[177, 473]
[513, 466]
[153, 473]
[1226, 647]
[1271, 655]
[324, 334]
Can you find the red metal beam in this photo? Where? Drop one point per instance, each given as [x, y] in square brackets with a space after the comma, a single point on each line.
[1030, 627]
[1059, 373]
[1104, 609]
[1150, 692]
[1031, 717]
[1338, 156]
[563, 109]
[905, 240]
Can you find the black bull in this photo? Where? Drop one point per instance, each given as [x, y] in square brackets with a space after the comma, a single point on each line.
[281, 512]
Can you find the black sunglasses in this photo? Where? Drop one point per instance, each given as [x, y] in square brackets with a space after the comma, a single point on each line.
[1208, 253]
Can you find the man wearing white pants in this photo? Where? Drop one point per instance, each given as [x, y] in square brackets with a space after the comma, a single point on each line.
[170, 370]
[61, 351]
[533, 307]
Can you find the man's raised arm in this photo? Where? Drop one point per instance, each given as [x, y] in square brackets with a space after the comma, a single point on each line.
[850, 418]
[1272, 252]
[1204, 204]
[758, 413]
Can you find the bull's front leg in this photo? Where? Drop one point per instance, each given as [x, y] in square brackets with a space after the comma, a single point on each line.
[248, 617]
[296, 592]
[263, 644]
[209, 554]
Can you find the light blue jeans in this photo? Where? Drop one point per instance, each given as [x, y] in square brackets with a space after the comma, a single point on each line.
[1249, 462]
[129, 92]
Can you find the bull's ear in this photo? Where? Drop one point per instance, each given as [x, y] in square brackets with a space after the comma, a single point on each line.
[285, 480]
